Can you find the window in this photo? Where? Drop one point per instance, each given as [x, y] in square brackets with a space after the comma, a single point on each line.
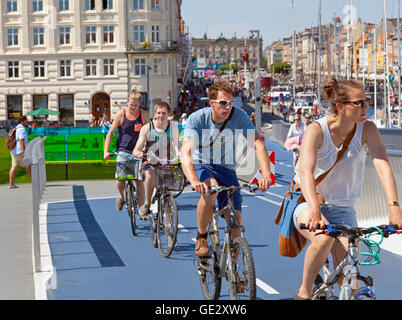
[89, 5]
[12, 6]
[64, 35]
[39, 69]
[14, 107]
[157, 66]
[39, 36]
[138, 5]
[108, 67]
[107, 4]
[108, 34]
[64, 5]
[155, 33]
[37, 5]
[139, 67]
[139, 33]
[13, 69]
[90, 35]
[12, 34]
[66, 109]
[65, 68]
[90, 67]
[39, 101]
[155, 5]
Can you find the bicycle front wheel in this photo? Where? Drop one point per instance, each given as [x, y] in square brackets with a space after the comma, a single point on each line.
[167, 226]
[242, 282]
[132, 207]
[208, 269]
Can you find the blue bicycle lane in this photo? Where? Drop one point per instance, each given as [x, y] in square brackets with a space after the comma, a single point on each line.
[95, 255]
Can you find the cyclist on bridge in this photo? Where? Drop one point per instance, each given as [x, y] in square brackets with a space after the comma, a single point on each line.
[129, 122]
[342, 187]
[212, 133]
[159, 136]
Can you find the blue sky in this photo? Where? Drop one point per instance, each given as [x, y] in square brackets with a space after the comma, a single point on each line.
[272, 17]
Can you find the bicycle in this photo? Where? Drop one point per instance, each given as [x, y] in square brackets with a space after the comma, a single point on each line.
[349, 266]
[235, 262]
[182, 180]
[163, 220]
[127, 171]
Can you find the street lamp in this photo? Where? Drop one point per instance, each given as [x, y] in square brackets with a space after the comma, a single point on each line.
[257, 84]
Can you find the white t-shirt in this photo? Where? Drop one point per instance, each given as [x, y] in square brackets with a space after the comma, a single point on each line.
[20, 134]
[293, 132]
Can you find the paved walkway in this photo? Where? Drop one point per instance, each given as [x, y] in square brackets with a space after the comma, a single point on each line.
[16, 247]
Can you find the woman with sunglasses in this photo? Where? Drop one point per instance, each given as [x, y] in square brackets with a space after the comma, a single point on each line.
[295, 136]
[342, 187]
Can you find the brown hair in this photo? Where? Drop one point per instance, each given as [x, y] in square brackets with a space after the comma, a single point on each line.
[163, 104]
[338, 91]
[220, 85]
[22, 119]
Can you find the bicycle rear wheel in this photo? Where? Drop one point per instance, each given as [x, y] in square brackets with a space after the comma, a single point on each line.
[208, 269]
[242, 281]
[167, 226]
[132, 206]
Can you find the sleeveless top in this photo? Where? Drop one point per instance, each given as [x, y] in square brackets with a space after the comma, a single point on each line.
[343, 185]
[159, 142]
[128, 132]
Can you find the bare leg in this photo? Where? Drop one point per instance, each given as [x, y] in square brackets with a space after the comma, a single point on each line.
[205, 208]
[13, 171]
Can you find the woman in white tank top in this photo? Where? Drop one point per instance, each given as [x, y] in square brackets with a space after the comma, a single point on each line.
[342, 187]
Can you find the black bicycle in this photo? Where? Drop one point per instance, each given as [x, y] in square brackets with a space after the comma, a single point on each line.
[182, 180]
[235, 262]
[163, 219]
[128, 170]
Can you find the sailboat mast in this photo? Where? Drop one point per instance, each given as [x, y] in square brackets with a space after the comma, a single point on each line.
[319, 57]
[294, 55]
[385, 65]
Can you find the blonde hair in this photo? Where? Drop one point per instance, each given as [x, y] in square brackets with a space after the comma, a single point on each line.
[134, 95]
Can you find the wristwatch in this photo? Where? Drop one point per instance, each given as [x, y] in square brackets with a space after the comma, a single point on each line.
[393, 204]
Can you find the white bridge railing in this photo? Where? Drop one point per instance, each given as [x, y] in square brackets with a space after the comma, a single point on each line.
[35, 156]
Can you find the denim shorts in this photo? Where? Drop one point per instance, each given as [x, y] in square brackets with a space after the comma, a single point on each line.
[343, 216]
[224, 177]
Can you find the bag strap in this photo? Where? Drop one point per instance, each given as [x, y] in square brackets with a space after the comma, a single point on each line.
[294, 187]
[340, 154]
[220, 129]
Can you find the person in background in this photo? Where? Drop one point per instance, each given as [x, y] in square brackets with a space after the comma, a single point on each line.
[294, 137]
[18, 152]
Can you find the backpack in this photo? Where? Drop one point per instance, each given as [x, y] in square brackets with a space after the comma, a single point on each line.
[10, 141]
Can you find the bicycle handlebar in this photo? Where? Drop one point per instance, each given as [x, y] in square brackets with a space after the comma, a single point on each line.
[160, 160]
[334, 230]
[217, 189]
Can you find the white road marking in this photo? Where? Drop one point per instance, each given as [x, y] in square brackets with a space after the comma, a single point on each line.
[182, 229]
[268, 289]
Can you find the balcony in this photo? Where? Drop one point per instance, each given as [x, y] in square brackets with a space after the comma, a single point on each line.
[154, 47]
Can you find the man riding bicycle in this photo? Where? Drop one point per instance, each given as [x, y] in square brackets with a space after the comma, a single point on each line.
[129, 122]
[214, 156]
[159, 137]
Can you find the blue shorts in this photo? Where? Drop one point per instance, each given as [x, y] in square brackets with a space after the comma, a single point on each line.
[343, 216]
[224, 177]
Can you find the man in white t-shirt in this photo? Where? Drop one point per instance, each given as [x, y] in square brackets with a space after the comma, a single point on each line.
[17, 153]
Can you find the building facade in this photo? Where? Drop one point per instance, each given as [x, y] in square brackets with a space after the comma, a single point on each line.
[82, 56]
[223, 51]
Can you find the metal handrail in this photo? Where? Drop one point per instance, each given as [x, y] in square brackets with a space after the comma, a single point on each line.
[35, 157]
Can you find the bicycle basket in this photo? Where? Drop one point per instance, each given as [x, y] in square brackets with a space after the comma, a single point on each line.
[128, 169]
[166, 176]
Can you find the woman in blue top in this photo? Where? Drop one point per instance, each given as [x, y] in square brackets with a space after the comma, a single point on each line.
[129, 122]
[209, 156]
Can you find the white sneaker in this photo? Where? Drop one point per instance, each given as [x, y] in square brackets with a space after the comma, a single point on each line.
[12, 186]
[144, 211]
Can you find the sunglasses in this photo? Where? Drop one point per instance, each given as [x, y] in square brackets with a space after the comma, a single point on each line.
[297, 119]
[224, 102]
[361, 103]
